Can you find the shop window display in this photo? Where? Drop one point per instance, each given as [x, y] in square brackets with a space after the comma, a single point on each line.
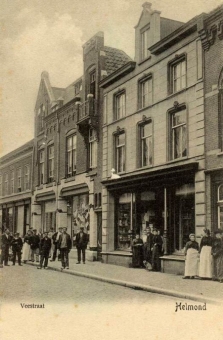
[81, 215]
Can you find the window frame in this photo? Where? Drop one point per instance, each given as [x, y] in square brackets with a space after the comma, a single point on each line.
[41, 166]
[116, 153]
[144, 47]
[19, 179]
[171, 113]
[27, 177]
[93, 149]
[12, 181]
[72, 151]
[141, 125]
[6, 184]
[50, 164]
[141, 82]
[117, 97]
[171, 66]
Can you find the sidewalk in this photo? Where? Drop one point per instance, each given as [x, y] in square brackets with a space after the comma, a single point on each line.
[160, 283]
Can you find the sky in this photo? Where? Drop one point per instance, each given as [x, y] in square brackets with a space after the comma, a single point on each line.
[47, 35]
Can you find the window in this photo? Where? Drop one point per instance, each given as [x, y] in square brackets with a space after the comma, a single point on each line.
[145, 93]
[41, 166]
[177, 75]
[6, 184]
[144, 43]
[71, 155]
[146, 142]
[178, 134]
[220, 206]
[93, 148]
[26, 177]
[12, 182]
[41, 115]
[19, 179]
[120, 105]
[120, 152]
[0, 185]
[93, 83]
[51, 163]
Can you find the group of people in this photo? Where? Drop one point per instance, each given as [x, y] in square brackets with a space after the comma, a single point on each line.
[40, 246]
[147, 254]
[210, 254]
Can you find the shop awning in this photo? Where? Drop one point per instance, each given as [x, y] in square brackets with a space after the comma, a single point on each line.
[74, 190]
[45, 196]
[162, 175]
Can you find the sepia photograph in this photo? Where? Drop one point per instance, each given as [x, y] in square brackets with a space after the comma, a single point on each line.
[111, 169]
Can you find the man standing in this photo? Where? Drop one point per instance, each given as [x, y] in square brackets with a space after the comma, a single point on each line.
[45, 246]
[6, 242]
[55, 240]
[34, 245]
[16, 248]
[64, 245]
[81, 244]
[147, 248]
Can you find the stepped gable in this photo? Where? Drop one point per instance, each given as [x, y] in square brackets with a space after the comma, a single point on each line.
[114, 59]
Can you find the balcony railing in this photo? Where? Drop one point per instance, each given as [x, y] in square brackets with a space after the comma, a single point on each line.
[86, 109]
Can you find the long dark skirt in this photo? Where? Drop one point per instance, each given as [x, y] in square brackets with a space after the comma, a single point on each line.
[156, 263]
[137, 256]
[218, 267]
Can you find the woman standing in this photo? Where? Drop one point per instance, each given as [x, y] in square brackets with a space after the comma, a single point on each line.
[137, 252]
[205, 269]
[156, 249]
[191, 253]
[26, 251]
[217, 252]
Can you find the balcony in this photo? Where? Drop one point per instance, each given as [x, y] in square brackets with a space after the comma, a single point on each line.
[87, 115]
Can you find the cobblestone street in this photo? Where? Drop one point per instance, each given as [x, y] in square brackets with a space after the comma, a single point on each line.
[86, 308]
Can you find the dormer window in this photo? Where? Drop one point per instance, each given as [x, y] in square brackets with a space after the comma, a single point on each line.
[144, 42]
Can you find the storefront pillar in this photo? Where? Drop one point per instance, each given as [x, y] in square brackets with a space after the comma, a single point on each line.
[36, 216]
[93, 229]
[61, 216]
[165, 223]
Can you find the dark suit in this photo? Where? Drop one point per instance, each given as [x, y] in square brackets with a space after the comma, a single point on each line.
[6, 243]
[45, 246]
[65, 248]
[56, 244]
[148, 247]
[81, 244]
[16, 249]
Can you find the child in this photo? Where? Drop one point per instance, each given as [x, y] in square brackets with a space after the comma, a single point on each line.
[192, 254]
[16, 248]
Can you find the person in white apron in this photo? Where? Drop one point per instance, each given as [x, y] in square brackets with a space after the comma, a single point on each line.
[206, 259]
[192, 255]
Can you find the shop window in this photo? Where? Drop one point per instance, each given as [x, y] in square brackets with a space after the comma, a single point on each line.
[125, 221]
[26, 177]
[146, 144]
[119, 103]
[71, 155]
[145, 92]
[177, 74]
[50, 163]
[220, 206]
[41, 166]
[81, 215]
[12, 182]
[120, 152]
[178, 134]
[144, 40]
[93, 148]
[19, 179]
[6, 184]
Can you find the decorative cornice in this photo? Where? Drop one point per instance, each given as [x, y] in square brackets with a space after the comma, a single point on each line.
[208, 36]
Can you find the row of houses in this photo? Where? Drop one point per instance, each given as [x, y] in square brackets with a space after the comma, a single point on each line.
[131, 143]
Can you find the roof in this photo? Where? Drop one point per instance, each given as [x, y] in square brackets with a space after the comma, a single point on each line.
[58, 92]
[27, 147]
[114, 59]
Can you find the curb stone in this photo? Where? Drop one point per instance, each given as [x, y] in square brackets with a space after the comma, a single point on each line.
[138, 286]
